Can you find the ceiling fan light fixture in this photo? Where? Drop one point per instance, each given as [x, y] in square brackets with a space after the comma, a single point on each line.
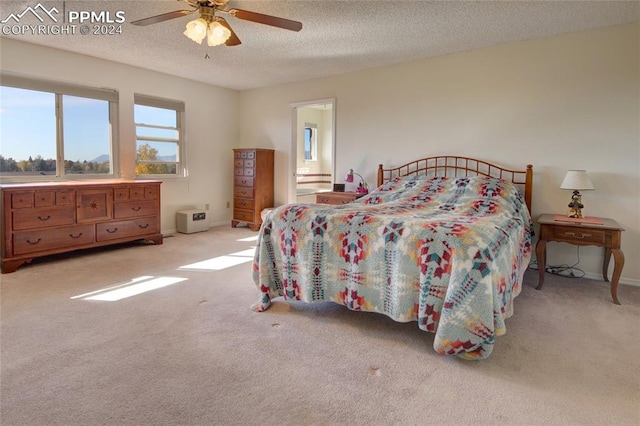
[196, 30]
[217, 34]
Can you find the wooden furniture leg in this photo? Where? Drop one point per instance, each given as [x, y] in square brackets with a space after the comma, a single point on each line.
[618, 258]
[605, 264]
[541, 254]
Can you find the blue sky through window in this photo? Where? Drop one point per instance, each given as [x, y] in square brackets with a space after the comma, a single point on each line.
[28, 125]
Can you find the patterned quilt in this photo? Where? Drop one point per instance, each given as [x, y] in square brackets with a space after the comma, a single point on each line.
[449, 253]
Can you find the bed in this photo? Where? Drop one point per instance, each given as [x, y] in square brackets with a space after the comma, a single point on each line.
[443, 241]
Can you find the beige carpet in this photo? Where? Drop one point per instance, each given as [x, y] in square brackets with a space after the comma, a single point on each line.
[193, 353]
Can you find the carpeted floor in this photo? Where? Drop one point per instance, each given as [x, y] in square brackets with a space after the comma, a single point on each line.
[191, 352]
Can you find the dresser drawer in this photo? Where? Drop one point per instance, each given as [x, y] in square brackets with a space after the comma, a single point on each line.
[42, 217]
[121, 194]
[243, 203]
[45, 199]
[151, 192]
[572, 233]
[136, 193]
[135, 209]
[22, 200]
[244, 181]
[65, 198]
[50, 239]
[336, 198]
[243, 191]
[244, 215]
[127, 228]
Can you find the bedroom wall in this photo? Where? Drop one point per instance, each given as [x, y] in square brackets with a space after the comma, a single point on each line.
[565, 102]
[209, 139]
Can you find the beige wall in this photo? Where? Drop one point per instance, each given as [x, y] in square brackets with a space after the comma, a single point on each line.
[211, 121]
[571, 101]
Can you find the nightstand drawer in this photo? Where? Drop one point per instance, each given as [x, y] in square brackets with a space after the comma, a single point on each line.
[572, 233]
[336, 198]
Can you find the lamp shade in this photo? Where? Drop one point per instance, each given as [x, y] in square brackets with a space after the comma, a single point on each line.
[217, 34]
[196, 30]
[349, 176]
[576, 180]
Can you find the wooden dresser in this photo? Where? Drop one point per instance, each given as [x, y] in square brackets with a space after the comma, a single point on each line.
[252, 185]
[46, 218]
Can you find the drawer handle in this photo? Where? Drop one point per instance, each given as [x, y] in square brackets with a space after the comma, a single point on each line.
[34, 242]
[136, 209]
[76, 236]
[111, 231]
[581, 236]
[45, 218]
[145, 226]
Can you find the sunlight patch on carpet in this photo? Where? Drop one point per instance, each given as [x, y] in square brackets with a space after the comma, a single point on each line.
[134, 287]
[223, 262]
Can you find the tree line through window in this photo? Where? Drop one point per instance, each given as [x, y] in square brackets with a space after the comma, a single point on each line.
[57, 129]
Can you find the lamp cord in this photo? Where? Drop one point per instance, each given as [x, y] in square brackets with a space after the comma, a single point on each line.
[563, 270]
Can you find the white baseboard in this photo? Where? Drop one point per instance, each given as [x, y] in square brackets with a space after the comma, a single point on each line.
[623, 280]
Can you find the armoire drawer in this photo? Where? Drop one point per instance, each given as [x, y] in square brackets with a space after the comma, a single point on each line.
[244, 215]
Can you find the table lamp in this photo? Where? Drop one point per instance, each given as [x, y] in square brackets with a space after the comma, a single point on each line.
[362, 188]
[576, 180]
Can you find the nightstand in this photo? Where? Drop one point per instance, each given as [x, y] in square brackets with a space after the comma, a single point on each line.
[337, 197]
[582, 232]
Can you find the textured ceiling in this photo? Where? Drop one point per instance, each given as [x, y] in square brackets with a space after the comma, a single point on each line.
[337, 36]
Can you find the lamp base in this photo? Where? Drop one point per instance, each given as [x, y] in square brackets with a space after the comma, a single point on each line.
[575, 206]
[575, 213]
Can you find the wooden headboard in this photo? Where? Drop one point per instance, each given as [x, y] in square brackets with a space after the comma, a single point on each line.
[453, 166]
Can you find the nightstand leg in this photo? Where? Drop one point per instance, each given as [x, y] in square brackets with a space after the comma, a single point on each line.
[605, 264]
[541, 254]
[618, 258]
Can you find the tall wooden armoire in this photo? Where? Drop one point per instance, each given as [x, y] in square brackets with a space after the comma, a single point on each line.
[252, 185]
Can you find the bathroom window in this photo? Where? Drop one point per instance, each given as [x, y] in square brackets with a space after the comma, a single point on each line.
[310, 142]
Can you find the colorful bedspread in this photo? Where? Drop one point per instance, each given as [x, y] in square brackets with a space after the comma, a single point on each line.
[449, 253]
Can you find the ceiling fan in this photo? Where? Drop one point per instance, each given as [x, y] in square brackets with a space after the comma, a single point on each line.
[214, 27]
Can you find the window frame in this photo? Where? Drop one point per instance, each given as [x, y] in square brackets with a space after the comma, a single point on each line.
[60, 89]
[168, 104]
[313, 142]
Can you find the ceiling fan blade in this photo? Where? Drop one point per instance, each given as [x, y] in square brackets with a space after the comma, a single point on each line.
[233, 40]
[161, 18]
[286, 24]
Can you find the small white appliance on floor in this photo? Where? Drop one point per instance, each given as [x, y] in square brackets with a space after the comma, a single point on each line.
[190, 221]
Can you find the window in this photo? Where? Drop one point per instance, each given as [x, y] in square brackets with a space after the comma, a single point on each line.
[310, 141]
[159, 136]
[58, 129]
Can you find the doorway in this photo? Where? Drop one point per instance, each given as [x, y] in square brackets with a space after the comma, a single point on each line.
[312, 153]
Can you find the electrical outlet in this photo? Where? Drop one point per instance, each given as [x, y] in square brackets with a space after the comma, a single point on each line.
[206, 206]
[228, 204]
